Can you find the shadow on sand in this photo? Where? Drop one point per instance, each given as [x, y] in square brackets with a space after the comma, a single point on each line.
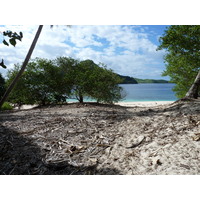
[19, 156]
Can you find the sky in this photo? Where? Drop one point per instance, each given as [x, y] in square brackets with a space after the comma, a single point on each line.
[128, 50]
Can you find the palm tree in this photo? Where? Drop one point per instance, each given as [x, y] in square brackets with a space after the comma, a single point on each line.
[28, 56]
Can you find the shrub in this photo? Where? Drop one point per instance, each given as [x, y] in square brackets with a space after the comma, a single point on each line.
[6, 106]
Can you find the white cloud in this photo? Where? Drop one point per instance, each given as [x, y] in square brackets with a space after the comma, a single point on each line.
[138, 56]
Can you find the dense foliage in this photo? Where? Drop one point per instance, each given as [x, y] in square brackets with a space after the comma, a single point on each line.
[96, 82]
[42, 83]
[2, 85]
[182, 44]
[53, 81]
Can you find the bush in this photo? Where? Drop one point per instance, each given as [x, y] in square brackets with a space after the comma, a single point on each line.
[6, 106]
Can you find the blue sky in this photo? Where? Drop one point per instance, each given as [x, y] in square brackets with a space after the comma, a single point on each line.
[128, 50]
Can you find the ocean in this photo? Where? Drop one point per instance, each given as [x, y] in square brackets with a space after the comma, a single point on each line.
[145, 92]
[149, 92]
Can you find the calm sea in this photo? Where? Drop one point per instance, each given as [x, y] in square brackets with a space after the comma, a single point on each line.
[149, 92]
[145, 92]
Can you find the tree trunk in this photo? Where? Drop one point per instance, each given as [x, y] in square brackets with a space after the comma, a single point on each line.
[28, 56]
[193, 91]
[80, 98]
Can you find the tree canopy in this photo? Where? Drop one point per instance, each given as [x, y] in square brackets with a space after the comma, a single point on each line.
[51, 81]
[95, 81]
[42, 83]
[182, 45]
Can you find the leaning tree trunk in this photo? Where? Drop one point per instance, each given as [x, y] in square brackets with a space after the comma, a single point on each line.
[193, 91]
[28, 56]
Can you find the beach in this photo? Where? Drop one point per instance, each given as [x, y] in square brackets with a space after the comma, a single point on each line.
[121, 103]
[138, 138]
[144, 103]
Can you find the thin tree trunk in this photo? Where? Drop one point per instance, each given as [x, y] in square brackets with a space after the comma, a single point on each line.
[193, 91]
[28, 56]
[80, 98]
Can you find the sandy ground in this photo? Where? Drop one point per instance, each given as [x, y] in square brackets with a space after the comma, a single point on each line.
[144, 104]
[129, 104]
[135, 139]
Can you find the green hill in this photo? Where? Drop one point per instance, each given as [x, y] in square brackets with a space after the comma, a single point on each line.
[150, 81]
[127, 80]
[131, 80]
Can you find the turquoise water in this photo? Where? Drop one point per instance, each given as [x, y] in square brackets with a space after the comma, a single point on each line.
[149, 92]
[145, 92]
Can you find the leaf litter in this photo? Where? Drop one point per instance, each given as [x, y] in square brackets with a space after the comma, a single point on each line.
[101, 139]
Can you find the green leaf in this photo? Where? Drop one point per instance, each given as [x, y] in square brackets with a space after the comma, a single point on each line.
[5, 43]
[12, 41]
[2, 64]
[21, 34]
[7, 33]
[16, 36]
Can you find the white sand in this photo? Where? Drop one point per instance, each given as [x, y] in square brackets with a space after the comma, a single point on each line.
[127, 104]
[144, 103]
[26, 107]
[106, 136]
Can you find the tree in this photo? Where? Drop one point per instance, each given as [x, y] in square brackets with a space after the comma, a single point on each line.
[182, 44]
[41, 83]
[83, 79]
[51, 81]
[2, 85]
[66, 67]
[91, 80]
[27, 58]
[20, 94]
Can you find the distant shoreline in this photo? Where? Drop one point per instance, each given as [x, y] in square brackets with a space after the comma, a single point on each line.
[132, 80]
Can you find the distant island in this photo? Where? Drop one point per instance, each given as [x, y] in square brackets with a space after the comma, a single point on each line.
[150, 81]
[131, 80]
[127, 80]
